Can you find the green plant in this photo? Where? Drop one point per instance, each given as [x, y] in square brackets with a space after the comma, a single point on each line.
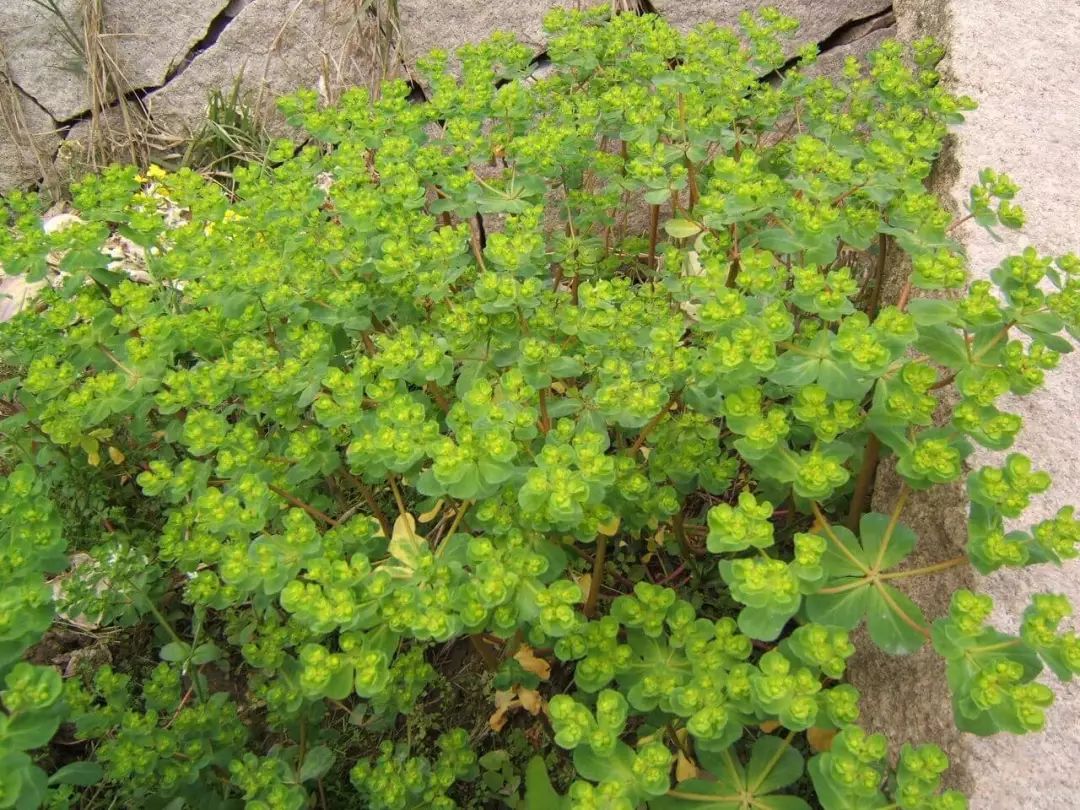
[232, 135]
[433, 377]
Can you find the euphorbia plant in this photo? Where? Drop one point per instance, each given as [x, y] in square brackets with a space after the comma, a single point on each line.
[467, 369]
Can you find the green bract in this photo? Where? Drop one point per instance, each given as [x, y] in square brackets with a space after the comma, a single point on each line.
[592, 370]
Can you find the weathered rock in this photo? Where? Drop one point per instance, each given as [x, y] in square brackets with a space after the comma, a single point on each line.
[858, 42]
[77, 155]
[28, 139]
[1024, 70]
[147, 42]
[818, 18]
[273, 47]
[449, 24]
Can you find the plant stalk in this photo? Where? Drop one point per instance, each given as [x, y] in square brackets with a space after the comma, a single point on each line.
[597, 576]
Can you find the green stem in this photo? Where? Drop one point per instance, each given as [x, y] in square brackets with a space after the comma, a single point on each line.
[887, 598]
[157, 614]
[854, 585]
[927, 569]
[116, 361]
[894, 519]
[453, 527]
[1004, 645]
[702, 797]
[772, 763]
[828, 529]
[979, 355]
[654, 226]
[791, 347]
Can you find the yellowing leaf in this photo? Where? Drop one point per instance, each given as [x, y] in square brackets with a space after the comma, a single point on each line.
[584, 583]
[405, 546]
[431, 514]
[685, 768]
[530, 663]
[404, 527]
[682, 228]
[769, 726]
[820, 739]
[115, 454]
[611, 528]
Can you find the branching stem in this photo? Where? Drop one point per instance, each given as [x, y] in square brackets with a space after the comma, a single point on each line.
[654, 225]
[871, 455]
[597, 576]
[318, 514]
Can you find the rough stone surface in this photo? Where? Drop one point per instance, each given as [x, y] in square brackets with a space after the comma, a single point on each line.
[859, 42]
[1024, 70]
[28, 139]
[148, 42]
[818, 18]
[449, 24]
[276, 46]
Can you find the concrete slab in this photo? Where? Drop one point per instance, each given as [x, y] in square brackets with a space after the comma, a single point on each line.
[1022, 65]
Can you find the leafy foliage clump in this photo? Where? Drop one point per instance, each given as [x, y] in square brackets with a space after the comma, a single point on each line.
[591, 373]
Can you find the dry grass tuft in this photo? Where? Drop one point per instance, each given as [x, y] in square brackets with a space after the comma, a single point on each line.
[109, 89]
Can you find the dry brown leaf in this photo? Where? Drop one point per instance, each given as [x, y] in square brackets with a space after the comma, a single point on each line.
[530, 700]
[769, 726]
[504, 701]
[820, 739]
[530, 663]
